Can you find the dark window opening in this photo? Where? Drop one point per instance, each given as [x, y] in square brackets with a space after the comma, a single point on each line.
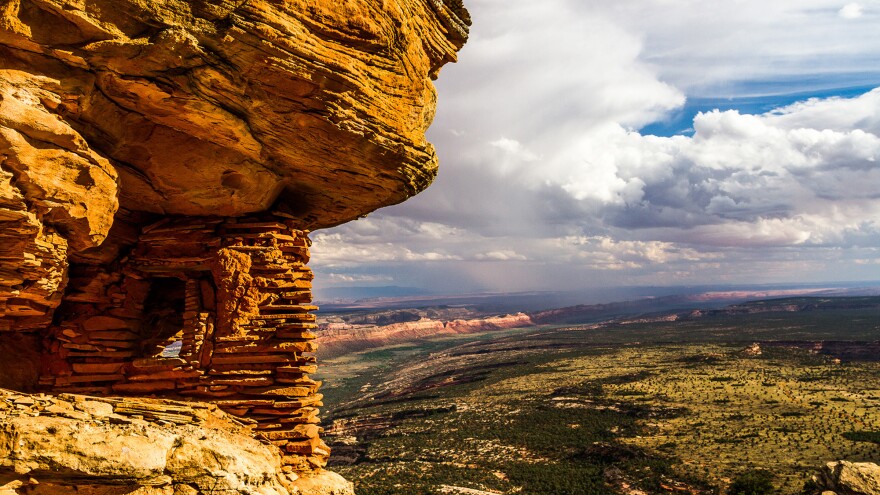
[163, 317]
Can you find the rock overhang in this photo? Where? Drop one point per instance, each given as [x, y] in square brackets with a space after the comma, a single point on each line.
[160, 165]
[227, 108]
[117, 113]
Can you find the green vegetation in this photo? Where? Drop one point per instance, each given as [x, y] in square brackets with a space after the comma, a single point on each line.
[752, 482]
[596, 410]
[863, 436]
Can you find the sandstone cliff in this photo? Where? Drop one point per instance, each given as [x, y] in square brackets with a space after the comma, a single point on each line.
[314, 109]
[161, 164]
[336, 339]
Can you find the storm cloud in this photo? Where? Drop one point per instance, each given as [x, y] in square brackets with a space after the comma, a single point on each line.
[546, 181]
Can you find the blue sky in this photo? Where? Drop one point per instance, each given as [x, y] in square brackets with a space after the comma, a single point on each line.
[756, 98]
[640, 142]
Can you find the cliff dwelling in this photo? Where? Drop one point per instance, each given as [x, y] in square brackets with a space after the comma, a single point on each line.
[161, 165]
[202, 308]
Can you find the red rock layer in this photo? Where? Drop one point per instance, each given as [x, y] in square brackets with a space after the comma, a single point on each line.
[339, 339]
[114, 113]
[202, 308]
[314, 108]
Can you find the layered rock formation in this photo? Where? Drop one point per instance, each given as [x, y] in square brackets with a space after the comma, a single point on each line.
[158, 447]
[206, 309]
[336, 339]
[161, 164]
[314, 109]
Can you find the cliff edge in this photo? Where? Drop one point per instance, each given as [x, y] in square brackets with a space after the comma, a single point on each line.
[161, 164]
[316, 110]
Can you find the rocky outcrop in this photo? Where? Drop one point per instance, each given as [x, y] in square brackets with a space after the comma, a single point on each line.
[517, 320]
[161, 164]
[56, 195]
[214, 107]
[316, 102]
[79, 444]
[337, 339]
[848, 478]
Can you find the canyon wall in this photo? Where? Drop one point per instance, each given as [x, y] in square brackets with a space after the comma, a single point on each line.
[336, 338]
[161, 164]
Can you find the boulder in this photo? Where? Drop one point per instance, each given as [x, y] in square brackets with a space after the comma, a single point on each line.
[48, 447]
[849, 478]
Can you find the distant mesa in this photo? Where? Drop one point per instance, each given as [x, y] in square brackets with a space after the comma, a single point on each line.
[371, 331]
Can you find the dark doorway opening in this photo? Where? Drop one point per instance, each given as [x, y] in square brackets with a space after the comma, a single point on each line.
[162, 329]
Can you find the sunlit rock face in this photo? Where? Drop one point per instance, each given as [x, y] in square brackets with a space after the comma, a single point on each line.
[161, 163]
[314, 109]
[85, 445]
[221, 107]
[848, 478]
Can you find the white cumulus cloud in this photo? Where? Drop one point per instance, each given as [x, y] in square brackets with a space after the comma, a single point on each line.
[850, 11]
[546, 182]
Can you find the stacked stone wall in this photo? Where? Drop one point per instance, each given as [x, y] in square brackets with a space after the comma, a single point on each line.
[208, 309]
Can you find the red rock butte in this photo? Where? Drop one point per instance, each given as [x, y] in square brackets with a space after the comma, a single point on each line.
[161, 164]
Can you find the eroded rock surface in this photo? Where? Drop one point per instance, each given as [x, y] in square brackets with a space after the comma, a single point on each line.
[849, 478]
[335, 338]
[80, 444]
[161, 163]
[210, 107]
[216, 107]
